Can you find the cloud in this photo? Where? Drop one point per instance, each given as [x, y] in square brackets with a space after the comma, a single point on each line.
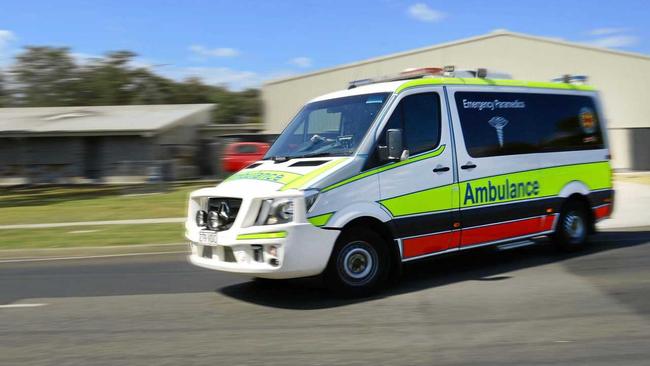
[231, 78]
[205, 52]
[613, 37]
[615, 41]
[6, 51]
[607, 31]
[6, 37]
[302, 62]
[86, 59]
[424, 13]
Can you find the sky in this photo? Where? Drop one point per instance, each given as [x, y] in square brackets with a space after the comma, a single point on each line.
[241, 44]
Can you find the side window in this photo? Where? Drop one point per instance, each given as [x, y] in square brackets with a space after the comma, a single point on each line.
[418, 116]
[520, 123]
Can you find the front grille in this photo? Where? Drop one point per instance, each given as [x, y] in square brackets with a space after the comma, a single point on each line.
[227, 209]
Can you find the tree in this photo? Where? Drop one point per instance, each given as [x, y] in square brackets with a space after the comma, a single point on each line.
[46, 76]
[49, 76]
[108, 80]
[192, 90]
[3, 92]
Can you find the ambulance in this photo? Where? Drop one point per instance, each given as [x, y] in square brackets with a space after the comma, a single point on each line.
[428, 162]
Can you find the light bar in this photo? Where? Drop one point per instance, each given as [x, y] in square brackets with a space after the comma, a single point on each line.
[413, 73]
[419, 72]
[447, 71]
[354, 83]
[568, 79]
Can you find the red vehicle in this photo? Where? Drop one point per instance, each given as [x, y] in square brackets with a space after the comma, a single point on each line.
[238, 155]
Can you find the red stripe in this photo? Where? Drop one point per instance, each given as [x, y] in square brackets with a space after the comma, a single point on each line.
[603, 211]
[547, 223]
[505, 230]
[414, 247]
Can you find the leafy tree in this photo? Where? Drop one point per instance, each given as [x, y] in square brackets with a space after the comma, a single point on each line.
[109, 80]
[46, 76]
[3, 92]
[49, 76]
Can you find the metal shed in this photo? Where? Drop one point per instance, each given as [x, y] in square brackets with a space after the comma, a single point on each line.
[103, 143]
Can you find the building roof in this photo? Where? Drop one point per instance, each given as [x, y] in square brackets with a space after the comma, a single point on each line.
[97, 120]
[494, 34]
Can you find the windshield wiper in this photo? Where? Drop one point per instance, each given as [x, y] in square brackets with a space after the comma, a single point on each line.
[279, 159]
[314, 155]
[282, 159]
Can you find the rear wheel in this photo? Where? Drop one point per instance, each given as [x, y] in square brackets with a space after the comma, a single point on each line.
[572, 229]
[359, 263]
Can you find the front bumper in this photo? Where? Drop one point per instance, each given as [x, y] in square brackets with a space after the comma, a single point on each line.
[303, 251]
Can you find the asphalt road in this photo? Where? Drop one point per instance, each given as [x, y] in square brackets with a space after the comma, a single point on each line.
[529, 306]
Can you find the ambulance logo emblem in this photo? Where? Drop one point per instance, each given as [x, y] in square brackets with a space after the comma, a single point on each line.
[498, 123]
[587, 120]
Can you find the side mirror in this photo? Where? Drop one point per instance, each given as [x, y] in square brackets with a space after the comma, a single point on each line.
[394, 149]
[394, 142]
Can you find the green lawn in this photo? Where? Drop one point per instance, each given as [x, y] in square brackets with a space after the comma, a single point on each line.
[92, 203]
[89, 236]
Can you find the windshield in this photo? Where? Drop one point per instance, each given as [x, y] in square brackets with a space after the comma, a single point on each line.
[330, 127]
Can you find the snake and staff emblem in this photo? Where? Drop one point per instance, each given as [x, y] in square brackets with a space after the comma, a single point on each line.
[498, 123]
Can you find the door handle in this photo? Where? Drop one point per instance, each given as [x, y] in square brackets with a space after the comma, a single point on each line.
[468, 165]
[439, 169]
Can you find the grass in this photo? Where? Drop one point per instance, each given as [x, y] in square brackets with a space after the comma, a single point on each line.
[92, 203]
[88, 236]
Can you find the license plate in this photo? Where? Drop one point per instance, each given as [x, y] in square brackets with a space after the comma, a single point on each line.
[208, 238]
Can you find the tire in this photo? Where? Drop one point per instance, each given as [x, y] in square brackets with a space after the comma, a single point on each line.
[359, 264]
[572, 229]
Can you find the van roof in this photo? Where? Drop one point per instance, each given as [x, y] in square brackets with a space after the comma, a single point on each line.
[401, 85]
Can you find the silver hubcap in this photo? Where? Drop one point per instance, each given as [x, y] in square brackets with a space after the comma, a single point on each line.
[574, 226]
[358, 262]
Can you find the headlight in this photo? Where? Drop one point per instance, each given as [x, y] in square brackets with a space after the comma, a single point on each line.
[213, 220]
[275, 211]
[201, 218]
[311, 195]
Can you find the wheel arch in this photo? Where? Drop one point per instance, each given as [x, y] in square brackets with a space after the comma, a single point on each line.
[578, 191]
[386, 232]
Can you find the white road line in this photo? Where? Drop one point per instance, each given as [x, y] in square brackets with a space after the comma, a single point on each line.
[86, 257]
[165, 220]
[13, 306]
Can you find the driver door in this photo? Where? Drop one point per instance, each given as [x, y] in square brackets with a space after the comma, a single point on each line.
[420, 192]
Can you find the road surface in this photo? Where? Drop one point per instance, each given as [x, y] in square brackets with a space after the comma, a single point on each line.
[528, 306]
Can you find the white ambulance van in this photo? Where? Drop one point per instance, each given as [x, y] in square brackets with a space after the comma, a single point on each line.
[389, 171]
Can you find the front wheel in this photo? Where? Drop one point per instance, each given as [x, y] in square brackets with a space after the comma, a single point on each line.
[573, 227]
[359, 263]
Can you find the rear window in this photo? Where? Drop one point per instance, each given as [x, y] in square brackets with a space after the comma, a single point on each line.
[522, 123]
[246, 149]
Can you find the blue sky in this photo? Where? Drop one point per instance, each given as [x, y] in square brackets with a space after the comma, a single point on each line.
[242, 43]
